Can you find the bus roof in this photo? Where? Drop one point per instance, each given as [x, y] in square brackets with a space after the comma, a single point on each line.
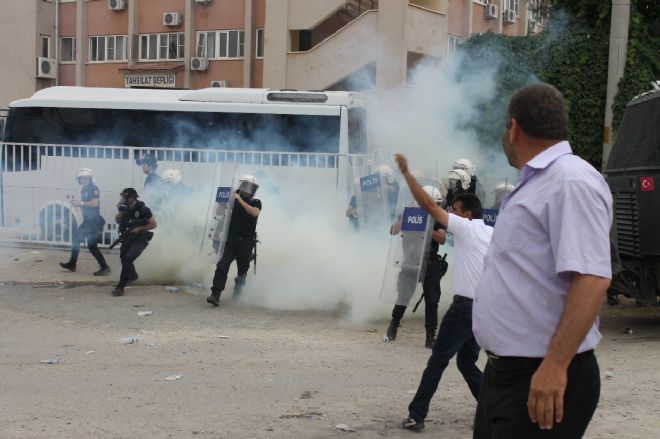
[131, 98]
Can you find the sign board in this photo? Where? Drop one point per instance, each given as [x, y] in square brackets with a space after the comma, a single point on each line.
[414, 219]
[370, 183]
[222, 194]
[159, 80]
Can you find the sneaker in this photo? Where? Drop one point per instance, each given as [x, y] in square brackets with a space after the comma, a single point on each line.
[391, 331]
[213, 300]
[103, 271]
[118, 290]
[412, 425]
[71, 266]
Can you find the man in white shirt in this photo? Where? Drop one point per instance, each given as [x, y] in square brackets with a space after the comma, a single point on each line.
[471, 240]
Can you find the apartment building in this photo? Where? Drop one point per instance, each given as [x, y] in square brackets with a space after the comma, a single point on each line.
[300, 44]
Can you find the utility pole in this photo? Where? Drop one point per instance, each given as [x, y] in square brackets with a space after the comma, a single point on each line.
[620, 23]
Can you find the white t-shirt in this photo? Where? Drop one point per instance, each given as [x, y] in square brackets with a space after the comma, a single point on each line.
[471, 241]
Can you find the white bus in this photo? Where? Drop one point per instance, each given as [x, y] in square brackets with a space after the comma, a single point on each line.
[282, 134]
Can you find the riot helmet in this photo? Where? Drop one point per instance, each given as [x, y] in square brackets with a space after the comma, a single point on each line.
[171, 176]
[465, 165]
[85, 173]
[457, 176]
[434, 193]
[248, 185]
[147, 159]
[501, 191]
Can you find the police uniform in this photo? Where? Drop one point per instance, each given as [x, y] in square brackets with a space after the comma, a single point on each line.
[89, 230]
[407, 282]
[241, 239]
[133, 244]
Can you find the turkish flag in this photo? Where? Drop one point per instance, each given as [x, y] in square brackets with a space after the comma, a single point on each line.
[646, 184]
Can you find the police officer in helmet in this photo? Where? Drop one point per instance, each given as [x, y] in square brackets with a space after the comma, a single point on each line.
[92, 224]
[407, 281]
[135, 222]
[459, 182]
[240, 240]
[149, 165]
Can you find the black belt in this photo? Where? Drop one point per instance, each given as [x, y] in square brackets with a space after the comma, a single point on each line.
[462, 299]
[517, 363]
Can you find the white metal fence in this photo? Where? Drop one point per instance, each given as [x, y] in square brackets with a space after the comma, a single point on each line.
[38, 181]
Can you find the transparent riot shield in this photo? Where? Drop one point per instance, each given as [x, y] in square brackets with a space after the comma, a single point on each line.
[495, 190]
[219, 213]
[408, 252]
[374, 201]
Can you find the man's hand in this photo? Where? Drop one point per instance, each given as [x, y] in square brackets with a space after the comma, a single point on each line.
[402, 162]
[75, 203]
[545, 403]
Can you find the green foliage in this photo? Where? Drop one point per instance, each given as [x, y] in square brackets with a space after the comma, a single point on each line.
[571, 54]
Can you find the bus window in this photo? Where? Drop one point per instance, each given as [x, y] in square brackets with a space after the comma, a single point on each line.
[146, 128]
[357, 130]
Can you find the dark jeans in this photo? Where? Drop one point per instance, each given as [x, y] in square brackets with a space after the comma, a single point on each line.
[502, 409]
[408, 280]
[89, 230]
[454, 338]
[131, 248]
[239, 249]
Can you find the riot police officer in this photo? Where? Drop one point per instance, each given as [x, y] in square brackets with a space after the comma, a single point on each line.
[459, 182]
[92, 223]
[501, 191]
[135, 222]
[149, 165]
[240, 240]
[407, 280]
[475, 186]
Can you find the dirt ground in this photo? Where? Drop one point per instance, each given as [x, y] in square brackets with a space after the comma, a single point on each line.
[247, 372]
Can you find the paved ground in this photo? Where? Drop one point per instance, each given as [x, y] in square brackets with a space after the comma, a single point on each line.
[248, 372]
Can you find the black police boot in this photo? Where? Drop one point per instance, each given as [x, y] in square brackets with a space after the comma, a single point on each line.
[430, 338]
[214, 298]
[411, 424]
[118, 290]
[392, 330]
[104, 271]
[71, 265]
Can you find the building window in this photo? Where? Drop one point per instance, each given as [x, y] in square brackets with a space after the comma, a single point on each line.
[260, 43]
[107, 48]
[452, 44]
[45, 46]
[512, 5]
[169, 46]
[68, 49]
[222, 44]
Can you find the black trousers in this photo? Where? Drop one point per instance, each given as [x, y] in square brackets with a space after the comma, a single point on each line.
[455, 338]
[239, 249]
[431, 287]
[131, 248]
[502, 408]
[89, 230]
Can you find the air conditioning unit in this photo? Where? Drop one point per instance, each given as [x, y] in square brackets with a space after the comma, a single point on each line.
[199, 63]
[222, 84]
[491, 10]
[204, 2]
[117, 5]
[172, 19]
[46, 67]
[510, 16]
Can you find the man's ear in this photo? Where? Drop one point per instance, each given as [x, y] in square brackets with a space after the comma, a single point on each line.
[514, 131]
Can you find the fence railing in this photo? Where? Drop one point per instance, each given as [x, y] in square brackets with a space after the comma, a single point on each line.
[38, 180]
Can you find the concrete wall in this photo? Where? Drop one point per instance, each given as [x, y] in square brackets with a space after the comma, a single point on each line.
[18, 39]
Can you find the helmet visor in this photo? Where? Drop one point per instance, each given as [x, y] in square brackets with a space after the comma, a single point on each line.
[248, 187]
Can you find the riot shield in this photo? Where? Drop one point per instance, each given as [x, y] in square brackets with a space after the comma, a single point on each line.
[219, 213]
[375, 201]
[408, 252]
[495, 190]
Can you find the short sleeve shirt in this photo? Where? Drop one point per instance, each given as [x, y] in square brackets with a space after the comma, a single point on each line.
[243, 225]
[471, 241]
[90, 192]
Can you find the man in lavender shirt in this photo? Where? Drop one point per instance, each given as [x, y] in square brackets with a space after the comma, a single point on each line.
[545, 276]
